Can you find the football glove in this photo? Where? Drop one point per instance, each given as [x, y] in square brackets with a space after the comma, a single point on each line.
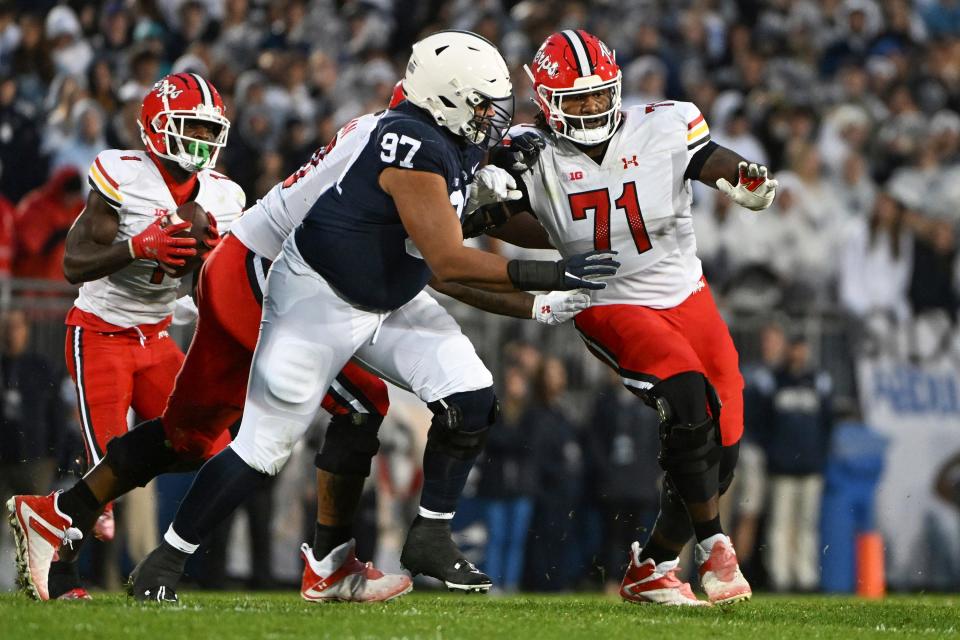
[491, 184]
[213, 234]
[518, 153]
[160, 243]
[556, 307]
[583, 270]
[754, 190]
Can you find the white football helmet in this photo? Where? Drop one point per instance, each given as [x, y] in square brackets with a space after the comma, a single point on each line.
[460, 79]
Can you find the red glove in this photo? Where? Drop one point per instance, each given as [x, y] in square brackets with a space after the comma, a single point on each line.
[213, 234]
[160, 243]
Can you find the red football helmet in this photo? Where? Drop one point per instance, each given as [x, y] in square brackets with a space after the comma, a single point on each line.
[398, 96]
[573, 63]
[173, 102]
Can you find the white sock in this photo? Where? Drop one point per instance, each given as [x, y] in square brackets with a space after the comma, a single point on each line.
[707, 544]
[436, 515]
[174, 540]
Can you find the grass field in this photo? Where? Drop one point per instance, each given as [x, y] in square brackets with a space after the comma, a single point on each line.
[429, 615]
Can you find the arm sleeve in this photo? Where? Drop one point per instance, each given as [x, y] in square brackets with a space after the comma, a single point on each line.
[106, 178]
[695, 128]
[409, 144]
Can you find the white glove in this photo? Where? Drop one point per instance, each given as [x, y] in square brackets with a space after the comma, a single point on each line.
[556, 307]
[754, 189]
[185, 311]
[491, 184]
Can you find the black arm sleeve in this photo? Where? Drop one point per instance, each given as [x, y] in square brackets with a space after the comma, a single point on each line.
[698, 160]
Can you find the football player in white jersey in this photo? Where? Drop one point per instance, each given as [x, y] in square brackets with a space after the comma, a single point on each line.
[600, 177]
[123, 250]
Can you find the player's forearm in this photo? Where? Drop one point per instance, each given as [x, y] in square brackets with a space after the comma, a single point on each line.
[516, 304]
[471, 267]
[722, 163]
[86, 261]
[522, 230]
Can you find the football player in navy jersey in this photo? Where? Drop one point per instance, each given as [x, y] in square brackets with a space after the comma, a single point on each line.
[349, 283]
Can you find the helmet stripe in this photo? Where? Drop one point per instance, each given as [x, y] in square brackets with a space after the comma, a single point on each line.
[205, 90]
[579, 51]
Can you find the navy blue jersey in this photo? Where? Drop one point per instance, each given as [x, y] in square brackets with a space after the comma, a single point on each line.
[353, 235]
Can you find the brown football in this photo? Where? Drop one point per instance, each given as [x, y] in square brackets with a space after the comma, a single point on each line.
[194, 214]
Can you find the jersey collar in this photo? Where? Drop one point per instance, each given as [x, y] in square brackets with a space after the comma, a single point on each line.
[180, 191]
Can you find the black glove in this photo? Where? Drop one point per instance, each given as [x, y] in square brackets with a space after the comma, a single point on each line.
[581, 271]
[518, 153]
[484, 219]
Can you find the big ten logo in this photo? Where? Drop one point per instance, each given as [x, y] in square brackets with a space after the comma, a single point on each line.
[575, 175]
[545, 63]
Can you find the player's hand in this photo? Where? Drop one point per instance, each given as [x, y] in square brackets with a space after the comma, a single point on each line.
[754, 190]
[518, 153]
[588, 270]
[160, 243]
[484, 219]
[556, 307]
[213, 234]
[491, 184]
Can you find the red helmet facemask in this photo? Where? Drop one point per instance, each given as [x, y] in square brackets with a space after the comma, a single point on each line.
[568, 66]
[176, 101]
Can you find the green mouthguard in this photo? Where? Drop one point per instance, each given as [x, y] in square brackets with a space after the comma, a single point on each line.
[201, 149]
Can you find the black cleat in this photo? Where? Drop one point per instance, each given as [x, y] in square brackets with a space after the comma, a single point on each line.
[155, 578]
[430, 551]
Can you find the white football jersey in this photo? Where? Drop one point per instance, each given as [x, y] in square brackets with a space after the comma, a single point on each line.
[132, 184]
[636, 201]
[265, 226]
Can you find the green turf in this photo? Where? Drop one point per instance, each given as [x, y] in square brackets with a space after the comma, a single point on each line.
[429, 615]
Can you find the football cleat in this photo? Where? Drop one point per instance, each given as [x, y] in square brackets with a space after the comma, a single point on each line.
[650, 583]
[105, 528]
[430, 551]
[39, 529]
[78, 593]
[340, 577]
[720, 574]
[156, 577]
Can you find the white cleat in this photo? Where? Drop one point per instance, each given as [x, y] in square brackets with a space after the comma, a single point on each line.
[650, 583]
[720, 574]
[39, 529]
[341, 577]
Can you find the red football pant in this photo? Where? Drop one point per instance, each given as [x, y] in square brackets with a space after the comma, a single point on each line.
[114, 372]
[648, 345]
[211, 388]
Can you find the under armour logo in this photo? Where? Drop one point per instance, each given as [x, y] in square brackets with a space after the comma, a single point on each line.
[545, 309]
[628, 161]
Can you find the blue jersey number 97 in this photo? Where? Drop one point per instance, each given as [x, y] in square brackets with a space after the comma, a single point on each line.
[391, 144]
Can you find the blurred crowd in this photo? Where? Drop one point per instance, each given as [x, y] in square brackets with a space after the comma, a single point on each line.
[853, 104]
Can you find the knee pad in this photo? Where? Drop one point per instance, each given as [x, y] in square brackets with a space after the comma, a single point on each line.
[690, 449]
[141, 454]
[461, 422]
[292, 372]
[350, 444]
[728, 464]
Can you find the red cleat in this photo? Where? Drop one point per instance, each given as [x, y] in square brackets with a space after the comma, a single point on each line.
[75, 594]
[649, 583]
[720, 574]
[341, 577]
[39, 528]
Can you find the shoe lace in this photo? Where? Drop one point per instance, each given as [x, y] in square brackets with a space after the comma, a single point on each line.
[71, 535]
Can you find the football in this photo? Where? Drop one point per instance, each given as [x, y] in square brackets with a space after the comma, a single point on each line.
[194, 214]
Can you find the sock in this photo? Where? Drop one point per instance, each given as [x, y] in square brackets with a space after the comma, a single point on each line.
[63, 577]
[326, 539]
[657, 553]
[81, 505]
[706, 529]
[221, 485]
[443, 480]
